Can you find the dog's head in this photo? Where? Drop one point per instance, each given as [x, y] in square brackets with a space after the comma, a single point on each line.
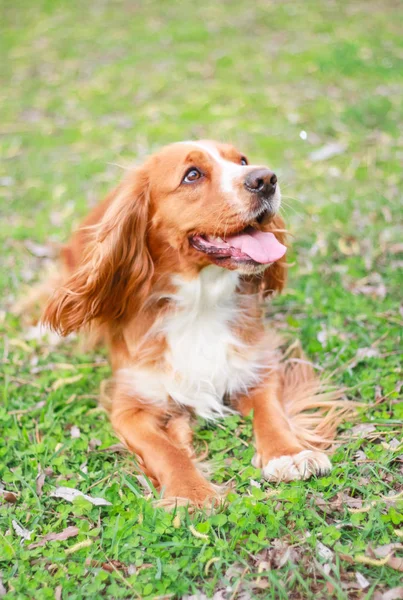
[189, 205]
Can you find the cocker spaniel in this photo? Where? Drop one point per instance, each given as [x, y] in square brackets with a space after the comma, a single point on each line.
[170, 270]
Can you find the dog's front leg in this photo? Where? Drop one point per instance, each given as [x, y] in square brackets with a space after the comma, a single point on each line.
[141, 429]
[279, 453]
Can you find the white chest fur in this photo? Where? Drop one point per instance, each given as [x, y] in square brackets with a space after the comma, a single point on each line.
[204, 359]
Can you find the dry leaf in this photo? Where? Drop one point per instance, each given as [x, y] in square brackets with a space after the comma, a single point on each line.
[39, 250]
[396, 563]
[9, 496]
[40, 480]
[56, 537]
[143, 481]
[387, 549]
[324, 552]
[75, 432]
[20, 531]
[362, 581]
[70, 494]
[396, 248]
[372, 285]
[281, 553]
[327, 151]
[3, 590]
[394, 445]
[363, 429]
[58, 592]
[93, 444]
[393, 594]
[40, 334]
[255, 483]
[114, 448]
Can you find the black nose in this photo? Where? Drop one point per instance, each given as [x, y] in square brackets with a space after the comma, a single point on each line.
[261, 181]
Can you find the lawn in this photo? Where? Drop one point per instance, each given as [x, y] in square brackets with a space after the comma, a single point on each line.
[314, 89]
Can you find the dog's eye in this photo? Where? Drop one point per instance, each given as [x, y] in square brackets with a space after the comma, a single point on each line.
[192, 175]
[244, 161]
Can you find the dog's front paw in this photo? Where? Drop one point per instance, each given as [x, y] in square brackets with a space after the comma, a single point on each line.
[296, 466]
[199, 493]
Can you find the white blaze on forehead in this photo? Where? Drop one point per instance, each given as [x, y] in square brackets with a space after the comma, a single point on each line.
[230, 171]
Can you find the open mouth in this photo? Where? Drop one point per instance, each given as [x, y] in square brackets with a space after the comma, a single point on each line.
[249, 244]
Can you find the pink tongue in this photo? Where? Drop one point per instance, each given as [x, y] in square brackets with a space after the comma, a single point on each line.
[261, 246]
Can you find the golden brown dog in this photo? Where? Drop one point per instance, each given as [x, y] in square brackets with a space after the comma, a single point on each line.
[170, 269]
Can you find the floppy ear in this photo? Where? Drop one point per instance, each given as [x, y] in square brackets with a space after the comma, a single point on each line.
[116, 268]
[275, 276]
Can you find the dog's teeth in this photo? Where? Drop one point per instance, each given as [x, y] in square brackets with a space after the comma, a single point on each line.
[215, 238]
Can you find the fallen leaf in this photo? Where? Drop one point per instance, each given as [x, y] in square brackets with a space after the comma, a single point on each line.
[56, 537]
[58, 592]
[281, 553]
[394, 445]
[9, 496]
[362, 581]
[338, 502]
[363, 429]
[143, 481]
[324, 552]
[396, 248]
[254, 483]
[40, 334]
[387, 549]
[327, 151]
[372, 285]
[75, 432]
[20, 531]
[93, 444]
[114, 448]
[40, 480]
[110, 566]
[40, 250]
[393, 594]
[396, 563]
[70, 494]
[3, 590]
[387, 553]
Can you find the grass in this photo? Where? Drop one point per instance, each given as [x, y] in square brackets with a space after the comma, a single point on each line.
[88, 86]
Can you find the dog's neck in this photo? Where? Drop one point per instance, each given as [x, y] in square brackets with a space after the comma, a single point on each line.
[213, 288]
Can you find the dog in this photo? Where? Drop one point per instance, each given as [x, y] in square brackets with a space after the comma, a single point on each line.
[170, 271]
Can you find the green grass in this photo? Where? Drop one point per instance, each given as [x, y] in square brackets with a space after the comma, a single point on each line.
[87, 86]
